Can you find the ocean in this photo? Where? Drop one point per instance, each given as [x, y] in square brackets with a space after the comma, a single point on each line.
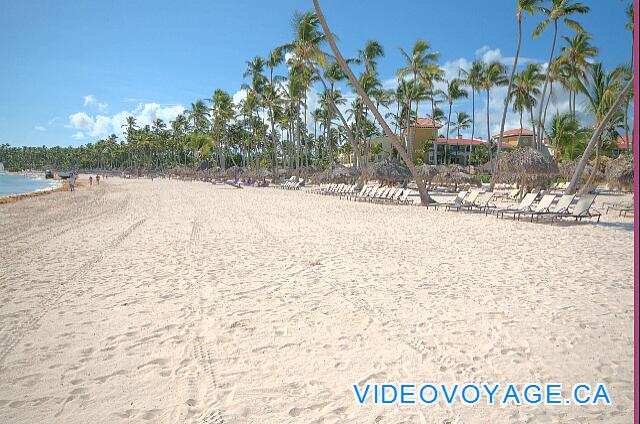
[18, 184]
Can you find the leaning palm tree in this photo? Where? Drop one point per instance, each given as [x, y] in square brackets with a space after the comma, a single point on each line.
[595, 138]
[559, 9]
[530, 6]
[601, 90]
[424, 195]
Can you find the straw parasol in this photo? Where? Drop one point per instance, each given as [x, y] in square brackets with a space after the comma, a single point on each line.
[388, 170]
[567, 169]
[525, 165]
[619, 172]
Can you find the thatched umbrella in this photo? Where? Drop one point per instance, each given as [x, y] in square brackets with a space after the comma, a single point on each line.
[388, 171]
[236, 171]
[463, 178]
[619, 172]
[567, 169]
[525, 166]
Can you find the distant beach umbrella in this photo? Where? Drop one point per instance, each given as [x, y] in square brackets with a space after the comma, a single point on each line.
[619, 172]
[567, 169]
[525, 166]
[388, 171]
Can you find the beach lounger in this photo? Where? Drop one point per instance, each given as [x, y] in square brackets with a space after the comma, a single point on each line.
[456, 202]
[483, 202]
[405, 199]
[466, 202]
[368, 193]
[389, 194]
[581, 210]
[542, 207]
[621, 207]
[358, 194]
[524, 206]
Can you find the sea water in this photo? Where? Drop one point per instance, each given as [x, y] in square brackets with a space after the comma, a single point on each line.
[18, 184]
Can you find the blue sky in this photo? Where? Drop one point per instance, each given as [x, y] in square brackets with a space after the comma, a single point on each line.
[73, 70]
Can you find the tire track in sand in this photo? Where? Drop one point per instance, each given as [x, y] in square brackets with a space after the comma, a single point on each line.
[13, 336]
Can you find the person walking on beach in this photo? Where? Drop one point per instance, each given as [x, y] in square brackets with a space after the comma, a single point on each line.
[98, 179]
[72, 182]
[90, 181]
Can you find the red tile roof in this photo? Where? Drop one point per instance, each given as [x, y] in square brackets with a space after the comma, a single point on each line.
[512, 133]
[428, 123]
[622, 143]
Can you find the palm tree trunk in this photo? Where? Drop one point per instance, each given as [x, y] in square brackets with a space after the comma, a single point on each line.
[546, 82]
[488, 127]
[447, 134]
[513, 73]
[596, 165]
[596, 136]
[424, 196]
[473, 120]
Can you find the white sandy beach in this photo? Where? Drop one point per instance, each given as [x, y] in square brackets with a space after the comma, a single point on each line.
[172, 302]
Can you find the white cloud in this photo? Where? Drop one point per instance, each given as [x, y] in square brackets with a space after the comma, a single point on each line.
[39, 128]
[80, 121]
[102, 126]
[91, 101]
[239, 95]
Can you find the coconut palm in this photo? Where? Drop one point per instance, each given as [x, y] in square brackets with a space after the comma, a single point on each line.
[419, 62]
[531, 7]
[576, 54]
[222, 112]
[424, 195]
[526, 91]
[559, 9]
[369, 55]
[494, 75]
[462, 122]
[473, 79]
[453, 92]
[567, 137]
[199, 114]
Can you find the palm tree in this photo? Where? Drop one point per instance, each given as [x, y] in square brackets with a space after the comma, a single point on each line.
[199, 113]
[494, 75]
[559, 9]
[473, 78]
[222, 112]
[454, 92]
[369, 55]
[462, 122]
[530, 6]
[526, 91]
[424, 195]
[576, 55]
[566, 136]
[417, 63]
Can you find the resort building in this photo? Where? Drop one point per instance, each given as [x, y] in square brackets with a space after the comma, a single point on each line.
[622, 145]
[456, 150]
[515, 138]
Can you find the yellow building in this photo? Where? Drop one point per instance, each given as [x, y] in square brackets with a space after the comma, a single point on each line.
[515, 138]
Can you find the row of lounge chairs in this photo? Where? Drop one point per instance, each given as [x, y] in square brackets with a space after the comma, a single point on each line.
[368, 193]
[550, 205]
[291, 184]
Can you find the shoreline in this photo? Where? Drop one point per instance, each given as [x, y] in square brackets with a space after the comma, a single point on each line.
[62, 185]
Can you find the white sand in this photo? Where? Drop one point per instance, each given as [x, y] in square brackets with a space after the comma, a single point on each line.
[180, 302]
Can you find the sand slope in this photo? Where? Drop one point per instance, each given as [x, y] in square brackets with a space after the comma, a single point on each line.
[171, 302]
